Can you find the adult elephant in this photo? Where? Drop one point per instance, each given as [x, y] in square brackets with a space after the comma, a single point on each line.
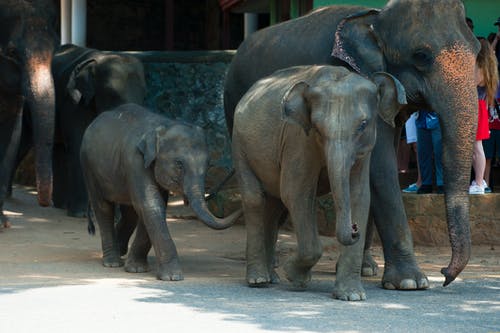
[87, 82]
[27, 42]
[430, 49]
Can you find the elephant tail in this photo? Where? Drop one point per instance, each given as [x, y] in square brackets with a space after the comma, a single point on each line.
[90, 219]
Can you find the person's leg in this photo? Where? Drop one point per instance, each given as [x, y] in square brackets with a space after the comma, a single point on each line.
[403, 156]
[489, 153]
[424, 154]
[438, 153]
[419, 176]
[478, 163]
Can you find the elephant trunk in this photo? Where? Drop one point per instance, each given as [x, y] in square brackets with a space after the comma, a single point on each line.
[457, 104]
[457, 161]
[40, 99]
[194, 190]
[339, 171]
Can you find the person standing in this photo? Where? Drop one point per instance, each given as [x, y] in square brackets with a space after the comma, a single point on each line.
[429, 149]
[487, 83]
[411, 141]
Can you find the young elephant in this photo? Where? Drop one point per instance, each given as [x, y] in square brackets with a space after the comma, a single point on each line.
[298, 133]
[133, 157]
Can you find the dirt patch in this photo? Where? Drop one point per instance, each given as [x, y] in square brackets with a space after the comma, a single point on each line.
[44, 246]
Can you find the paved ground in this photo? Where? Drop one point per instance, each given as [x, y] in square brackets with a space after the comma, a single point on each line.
[52, 280]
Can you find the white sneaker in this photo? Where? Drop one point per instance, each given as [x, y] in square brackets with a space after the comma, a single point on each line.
[476, 189]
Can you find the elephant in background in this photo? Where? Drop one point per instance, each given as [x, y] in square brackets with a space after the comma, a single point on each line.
[27, 98]
[429, 48]
[87, 82]
[297, 134]
[133, 157]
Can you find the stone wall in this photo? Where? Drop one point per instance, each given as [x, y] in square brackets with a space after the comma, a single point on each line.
[190, 86]
[427, 218]
[426, 215]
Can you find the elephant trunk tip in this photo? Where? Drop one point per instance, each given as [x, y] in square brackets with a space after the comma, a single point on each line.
[351, 238]
[449, 277]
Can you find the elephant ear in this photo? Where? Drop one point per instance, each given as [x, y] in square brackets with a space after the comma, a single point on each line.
[80, 85]
[295, 108]
[356, 43]
[392, 96]
[149, 145]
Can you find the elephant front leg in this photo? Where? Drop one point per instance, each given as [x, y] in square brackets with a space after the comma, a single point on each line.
[348, 286]
[152, 211]
[401, 270]
[137, 259]
[302, 208]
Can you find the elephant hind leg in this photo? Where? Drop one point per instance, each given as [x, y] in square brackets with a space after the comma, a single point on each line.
[369, 266]
[104, 213]
[137, 259]
[125, 226]
[259, 239]
[274, 215]
[10, 137]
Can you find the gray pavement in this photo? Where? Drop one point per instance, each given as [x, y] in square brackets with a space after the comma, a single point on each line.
[52, 281]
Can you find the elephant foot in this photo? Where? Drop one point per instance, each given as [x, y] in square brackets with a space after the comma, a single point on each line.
[111, 258]
[78, 213]
[112, 261]
[297, 275]
[134, 265]
[170, 271]
[404, 276]
[258, 276]
[5, 221]
[351, 290]
[369, 266]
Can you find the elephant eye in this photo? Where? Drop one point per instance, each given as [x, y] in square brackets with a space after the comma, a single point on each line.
[423, 59]
[179, 165]
[362, 125]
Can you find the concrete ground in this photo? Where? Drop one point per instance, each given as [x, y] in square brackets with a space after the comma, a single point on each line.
[52, 280]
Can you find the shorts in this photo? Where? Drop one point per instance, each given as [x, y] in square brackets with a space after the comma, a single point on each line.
[411, 129]
[492, 145]
[483, 125]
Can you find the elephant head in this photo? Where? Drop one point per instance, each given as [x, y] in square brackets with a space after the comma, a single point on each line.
[344, 114]
[109, 80]
[434, 59]
[178, 156]
[27, 43]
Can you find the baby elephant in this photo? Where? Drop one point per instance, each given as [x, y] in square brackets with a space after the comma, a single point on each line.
[133, 158]
[297, 134]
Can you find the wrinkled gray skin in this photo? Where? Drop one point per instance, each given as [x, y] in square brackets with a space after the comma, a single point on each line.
[87, 82]
[298, 133]
[133, 158]
[428, 47]
[27, 42]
